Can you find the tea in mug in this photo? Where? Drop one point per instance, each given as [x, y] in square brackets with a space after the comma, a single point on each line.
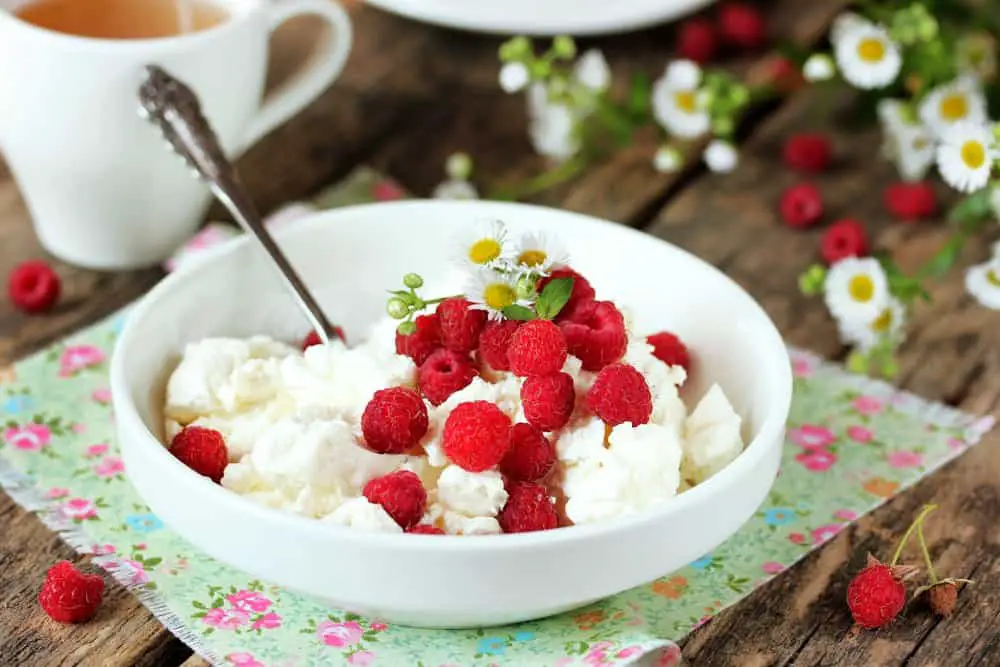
[122, 19]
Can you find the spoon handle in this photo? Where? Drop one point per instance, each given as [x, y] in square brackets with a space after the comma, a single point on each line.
[174, 108]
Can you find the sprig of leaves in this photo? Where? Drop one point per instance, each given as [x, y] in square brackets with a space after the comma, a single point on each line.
[550, 302]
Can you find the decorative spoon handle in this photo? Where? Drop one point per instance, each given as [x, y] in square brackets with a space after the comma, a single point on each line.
[174, 108]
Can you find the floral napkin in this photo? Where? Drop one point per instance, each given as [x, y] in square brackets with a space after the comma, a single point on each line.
[852, 443]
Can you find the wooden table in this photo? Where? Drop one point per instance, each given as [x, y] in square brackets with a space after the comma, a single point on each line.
[411, 95]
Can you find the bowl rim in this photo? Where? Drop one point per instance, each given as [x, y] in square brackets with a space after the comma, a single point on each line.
[129, 421]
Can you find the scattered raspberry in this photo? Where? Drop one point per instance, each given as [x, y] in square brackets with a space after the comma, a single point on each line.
[698, 40]
[582, 291]
[421, 343]
[876, 595]
[943, 597]
[531, 455]
[911, 201]
[528, 508]
[670, 349]
[548, 400]
[619, 395]
[312, 338]
[33, 286]
[595, 334]
[844, 238]
[68, 595]
[401, 494]
[460, 324]
[425, 529]
[537, 348]
[801, 206]
[201, 449]
[494, 341]
[476, 435]
[807, 152]
[394, 420]
[741, 24]
[443, 373]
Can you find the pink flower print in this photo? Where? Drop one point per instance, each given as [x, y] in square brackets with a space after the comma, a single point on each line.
[629, 651]
[249, 601]
[79, 509]
[103, 549]
[78, 357]
[817, 460]
[267, 621]
[379, 627]
[243, 660]
[827, 532]
[109, 467]
[132, 573]
[802, 367]
[796, 538]
[339, 635]
[860, 434]
[867, 405]
[772, 567]
[361, 658]
[28, 438]
[78, 428]
[57, 492]
[387, 191]
[141, 546]
[811, 436]
[226, 619]
[94, 451]
[670, 656]
[845, 515]
[955, 444]
[905, 459]
[102, 395]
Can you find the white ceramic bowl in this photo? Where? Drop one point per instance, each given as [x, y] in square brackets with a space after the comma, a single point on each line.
[351, 256]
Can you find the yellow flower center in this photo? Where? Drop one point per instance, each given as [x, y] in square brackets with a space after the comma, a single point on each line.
[954, 107]
[883, 321]
[532, 257]
[973, 154]
[484, 250]
[992, 278]
[685, 100]
[861, 288]
[498, 296]
[871, 50]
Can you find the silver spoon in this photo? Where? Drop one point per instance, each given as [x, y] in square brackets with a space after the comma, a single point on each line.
[174, 108]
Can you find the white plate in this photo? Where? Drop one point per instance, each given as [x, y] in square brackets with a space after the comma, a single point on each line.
[543, 17]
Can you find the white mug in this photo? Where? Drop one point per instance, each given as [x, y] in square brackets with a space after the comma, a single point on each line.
[102, 188]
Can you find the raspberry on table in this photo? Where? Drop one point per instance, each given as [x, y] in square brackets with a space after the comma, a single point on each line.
[537, 347]
[401, 494]
[670, 349]
[698, 40]
[68, 595]
[531, 455]
[548, 400]
[33, 286]
[844, 238]
[911, 201]
[875, 595]
[741, 24]
[394, 420]
[807, 152]
[620, 394]
[529, 508]
[312, 338]
[582, 291]
[421, 343]
[801, 205]
[494, 342]
[595, 334]
[425, 529]
[476, 435]
[203, 450]
[443, 373]
[460, 324]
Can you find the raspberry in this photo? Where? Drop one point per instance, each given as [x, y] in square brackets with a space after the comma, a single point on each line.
[312, 338]
[742, 24]
[801, 206]
[807, 152]
[33, 286]
[425, 529]
[528, 508]
[670, 349]
[201, 449]
[460, 324]
[876, 595]
[582, 291]
[910, 201]
[443, 373]
[531, 455]
[943, 596]
[537, 348]
[844, 238]
[476, 435]
[620, 394]
[494, 341]
[394, 420]
[548, 400]
[68, 595]
[421, 343]
[596, 334]
[401, 494]
[698, 40]
[783, 75]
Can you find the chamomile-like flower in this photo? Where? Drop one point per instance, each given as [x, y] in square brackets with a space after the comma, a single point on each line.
[983, 283]
[482, 245]
[846, 23]
[667, 160]
[965, 156]
[818, 67]
[551, 126]
[906, 142]
[676, 101]
[856, 291]
[491, 291]
[866, 55]
[721, 156]
[592, 71]
[961, 100]
[887, 325]
[539, 253]
[514, 77]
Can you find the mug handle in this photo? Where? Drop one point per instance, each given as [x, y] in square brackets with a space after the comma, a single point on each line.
[314, 76]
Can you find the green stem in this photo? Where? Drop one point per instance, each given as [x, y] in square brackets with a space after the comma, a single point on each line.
[913, 526]
[543, 181]
[927, 554]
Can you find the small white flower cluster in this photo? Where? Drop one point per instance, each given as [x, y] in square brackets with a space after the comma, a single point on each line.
[983, 280]
[857, 294]
[457, 186]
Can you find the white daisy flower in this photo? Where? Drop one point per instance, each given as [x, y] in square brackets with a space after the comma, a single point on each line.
[983, 283]
[965, 157]
[676, 103]
[846, 23]
[954, 102]
[856, 291]
[481, 245]
[592, 71]
[491, 291]
[867, 57]
[667, 160]
[514, 77]
[887, 324]
[457, 189]
[721, 156]
[551, 126]
[905, 142]
[539, 252]
[818, 67]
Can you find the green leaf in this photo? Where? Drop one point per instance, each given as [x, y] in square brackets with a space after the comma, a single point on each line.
[639, 95]
[554, 297]
[970, 213]
[197, 605]
[519, 313]
[939, 264]
[152, 562]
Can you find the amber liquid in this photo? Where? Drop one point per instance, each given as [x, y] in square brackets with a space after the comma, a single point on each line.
[122, 19]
